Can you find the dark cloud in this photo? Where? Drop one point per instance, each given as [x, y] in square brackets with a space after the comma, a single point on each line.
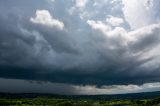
[77, 54]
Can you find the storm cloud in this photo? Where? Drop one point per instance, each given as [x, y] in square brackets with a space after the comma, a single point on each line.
[80, 42]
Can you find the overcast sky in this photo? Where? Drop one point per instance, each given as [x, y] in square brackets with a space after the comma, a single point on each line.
[79, 46]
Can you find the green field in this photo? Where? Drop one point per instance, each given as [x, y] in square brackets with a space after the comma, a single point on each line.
[77, 102]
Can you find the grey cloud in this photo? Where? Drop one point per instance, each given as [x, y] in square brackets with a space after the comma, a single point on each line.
[147, 39]
[77, 55]
[22, 86]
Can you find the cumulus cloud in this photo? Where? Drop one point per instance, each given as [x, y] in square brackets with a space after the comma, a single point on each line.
[44, 17]
[78, 6]
[99, 25]
[139, 42]
[92, 50]
[141, 13]
[114, 21]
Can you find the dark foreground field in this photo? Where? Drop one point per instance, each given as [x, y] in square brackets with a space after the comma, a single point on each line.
[139, 99]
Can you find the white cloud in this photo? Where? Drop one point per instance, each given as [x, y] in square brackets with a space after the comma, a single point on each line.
[100, 3]
[44, 17]
[81, 3]
[143, 32]
[134, 37]
[142, 42]
[140, 13]
[99, 25]
[118, 33]
[114, 21]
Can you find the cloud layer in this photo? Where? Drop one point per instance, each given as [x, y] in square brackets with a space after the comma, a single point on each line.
[22, 86]
[81, 42]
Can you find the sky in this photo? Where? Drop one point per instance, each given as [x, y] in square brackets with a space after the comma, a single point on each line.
[79, 47]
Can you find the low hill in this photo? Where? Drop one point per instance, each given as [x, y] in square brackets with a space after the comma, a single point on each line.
[144, 95]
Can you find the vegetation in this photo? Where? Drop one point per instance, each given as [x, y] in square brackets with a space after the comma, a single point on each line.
[27, 99]
[77, 102]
